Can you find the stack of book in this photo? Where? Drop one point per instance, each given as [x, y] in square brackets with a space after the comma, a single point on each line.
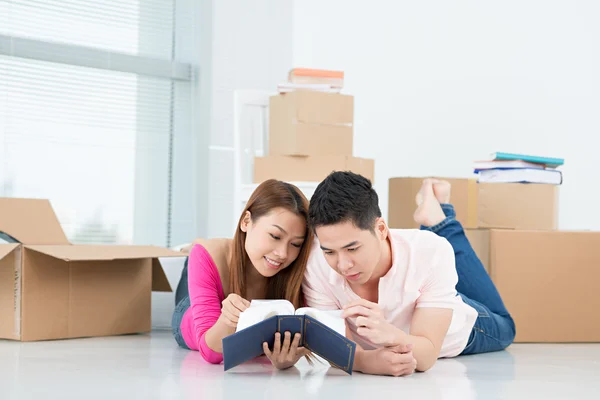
[319, 80]
[519, 168]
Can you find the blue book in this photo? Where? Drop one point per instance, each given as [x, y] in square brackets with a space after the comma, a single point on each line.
[549, 162]
[321, 333]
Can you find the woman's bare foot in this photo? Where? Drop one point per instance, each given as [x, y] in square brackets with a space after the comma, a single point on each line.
[442, 191]
[429, 212]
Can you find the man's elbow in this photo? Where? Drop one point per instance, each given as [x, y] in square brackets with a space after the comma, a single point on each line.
[422, 367]
[425, 363]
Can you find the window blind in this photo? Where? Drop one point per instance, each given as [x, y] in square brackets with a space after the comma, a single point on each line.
[143, 27]
[75, 132]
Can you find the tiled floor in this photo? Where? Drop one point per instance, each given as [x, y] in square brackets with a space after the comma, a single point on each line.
[152, 367]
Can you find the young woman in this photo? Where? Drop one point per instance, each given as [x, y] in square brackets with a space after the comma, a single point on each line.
[266, 259]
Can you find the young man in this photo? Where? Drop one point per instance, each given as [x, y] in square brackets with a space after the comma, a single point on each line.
[409, 296]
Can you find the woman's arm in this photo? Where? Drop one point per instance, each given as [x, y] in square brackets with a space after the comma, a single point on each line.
[206, 294]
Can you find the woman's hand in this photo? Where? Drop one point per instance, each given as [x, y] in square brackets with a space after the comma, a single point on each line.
[286, 355]
[233, 306]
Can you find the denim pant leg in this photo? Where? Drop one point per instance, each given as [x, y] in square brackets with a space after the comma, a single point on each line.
[492, 332]
[178, 314]
[473, 280]
[476, 288]
[182, 287]
[182, 303]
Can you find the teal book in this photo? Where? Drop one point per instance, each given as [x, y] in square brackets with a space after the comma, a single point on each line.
[549, 162]
[322, 332]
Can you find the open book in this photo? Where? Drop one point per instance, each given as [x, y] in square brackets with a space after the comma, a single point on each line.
[322, 332]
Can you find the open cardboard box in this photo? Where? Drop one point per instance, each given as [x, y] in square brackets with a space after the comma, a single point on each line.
[52, 289]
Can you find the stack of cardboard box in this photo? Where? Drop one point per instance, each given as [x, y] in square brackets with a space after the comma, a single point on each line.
[549, 279]
[310, 135]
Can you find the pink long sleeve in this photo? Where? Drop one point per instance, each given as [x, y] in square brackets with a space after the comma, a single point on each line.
[206, 295]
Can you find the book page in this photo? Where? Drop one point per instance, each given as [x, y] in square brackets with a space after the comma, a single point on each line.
[331, 318]
[261, 310]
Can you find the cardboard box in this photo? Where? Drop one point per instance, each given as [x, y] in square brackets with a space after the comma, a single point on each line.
[480, 241]
[309, 123]
[302, 139]
[549, 281]
[481, 205]
[309, 169]
[52, 289]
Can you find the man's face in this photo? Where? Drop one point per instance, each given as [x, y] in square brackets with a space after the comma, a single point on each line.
[352, 252]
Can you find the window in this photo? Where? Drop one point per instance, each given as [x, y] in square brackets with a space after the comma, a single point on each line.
[92, 101]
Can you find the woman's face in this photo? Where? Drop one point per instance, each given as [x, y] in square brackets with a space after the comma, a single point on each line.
[273, 241]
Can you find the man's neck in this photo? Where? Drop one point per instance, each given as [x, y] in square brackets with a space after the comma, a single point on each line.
[385, 261]
[370, 289]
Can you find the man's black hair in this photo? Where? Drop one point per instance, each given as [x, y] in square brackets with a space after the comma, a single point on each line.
[344, 196]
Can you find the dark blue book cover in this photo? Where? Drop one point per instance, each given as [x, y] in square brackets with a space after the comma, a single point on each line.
[323, 341]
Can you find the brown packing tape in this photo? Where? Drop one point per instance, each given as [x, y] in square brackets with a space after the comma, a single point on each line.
[472, 204]
[9, 293]
[18, 290]
[492, 254]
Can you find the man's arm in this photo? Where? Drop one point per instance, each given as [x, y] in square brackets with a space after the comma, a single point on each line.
[433, 311]
[360, 358]
[431, 318]
[428, 329]
[396, 361]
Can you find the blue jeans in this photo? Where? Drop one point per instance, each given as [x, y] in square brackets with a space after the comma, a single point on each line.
[182, 303]
[494, 328]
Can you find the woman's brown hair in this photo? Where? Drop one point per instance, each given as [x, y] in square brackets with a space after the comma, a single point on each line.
[286, 284]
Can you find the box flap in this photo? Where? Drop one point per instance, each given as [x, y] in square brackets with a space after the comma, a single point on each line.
[103, 252]
[6, 249]
[31, 221]
[160, 283]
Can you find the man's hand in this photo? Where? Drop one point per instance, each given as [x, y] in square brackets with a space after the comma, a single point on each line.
[371, 324]
[394, 361]
[233, 306]
[285, 356]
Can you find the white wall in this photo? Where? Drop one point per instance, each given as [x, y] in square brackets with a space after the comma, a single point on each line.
[252, 49]
[440, 84]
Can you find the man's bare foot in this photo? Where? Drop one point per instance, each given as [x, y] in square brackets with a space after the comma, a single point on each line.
[441, 189]
[429, 212]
